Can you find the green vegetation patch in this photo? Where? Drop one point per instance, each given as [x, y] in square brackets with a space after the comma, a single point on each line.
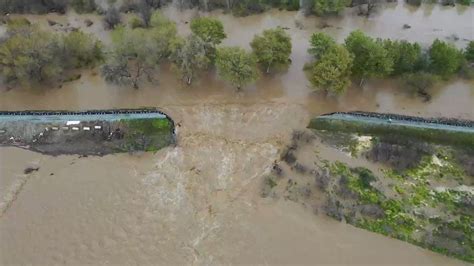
[147, 134]
[358, 180]
[427, 205]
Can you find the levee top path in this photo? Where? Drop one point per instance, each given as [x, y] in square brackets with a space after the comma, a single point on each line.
[401, 120]
[94, 115]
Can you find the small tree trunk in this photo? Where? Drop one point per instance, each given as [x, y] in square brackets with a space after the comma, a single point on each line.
[137, 76]
[370, 7]
[268, 68]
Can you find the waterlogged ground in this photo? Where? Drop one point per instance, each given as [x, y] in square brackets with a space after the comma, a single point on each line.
[200, 202]
[415, 191]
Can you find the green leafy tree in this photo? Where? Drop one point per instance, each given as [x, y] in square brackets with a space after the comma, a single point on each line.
[30, 57]
[212, 32]
[371, 59]
[406, 56]
[320, 42]
[271, 48]
[132, 59]
[332, 71]
[81, 50]
[325, 7]
[209, 29]
[164, 32]
[190, 58]
[237, 66]
[469, 52]
[137, 53]
[445, 58]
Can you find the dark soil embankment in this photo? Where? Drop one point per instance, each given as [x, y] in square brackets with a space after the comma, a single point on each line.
[50, 133]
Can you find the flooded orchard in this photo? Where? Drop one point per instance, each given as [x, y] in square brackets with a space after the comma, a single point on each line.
[199, 202]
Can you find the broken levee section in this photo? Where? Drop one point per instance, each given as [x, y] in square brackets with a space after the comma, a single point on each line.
[447, 131]
[420, 187]
[95, 132]
[409, 178]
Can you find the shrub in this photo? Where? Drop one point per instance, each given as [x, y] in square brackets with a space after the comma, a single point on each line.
[469, 52]
[135, 22]
[83, 6]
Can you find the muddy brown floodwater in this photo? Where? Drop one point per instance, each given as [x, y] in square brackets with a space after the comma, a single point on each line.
[199, 202]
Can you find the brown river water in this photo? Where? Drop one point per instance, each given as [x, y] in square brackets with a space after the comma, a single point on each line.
[199, 202]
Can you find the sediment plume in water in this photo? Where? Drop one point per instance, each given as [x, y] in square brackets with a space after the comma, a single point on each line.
[200, 202]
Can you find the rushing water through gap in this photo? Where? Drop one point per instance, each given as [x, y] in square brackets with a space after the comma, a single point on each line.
[199, 202]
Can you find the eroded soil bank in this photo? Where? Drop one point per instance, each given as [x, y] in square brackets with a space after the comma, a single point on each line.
[200, 202]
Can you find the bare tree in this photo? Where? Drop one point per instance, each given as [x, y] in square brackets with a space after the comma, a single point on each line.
[112, 18]
[144, 11]
[366, 7]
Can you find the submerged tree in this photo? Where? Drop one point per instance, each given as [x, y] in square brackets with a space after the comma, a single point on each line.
[29, 55]
[445, 58]
[209, 29]
[319, 44]
[371, 59]
[325, 7]
[30, 58]
[237, 66]
[81, 49]
[469, 52]
[138, 52]
[366, 7]
[133, 57]
[420, 83]
[272, 48]
[406, 56]
[190, 58]
[331, 72]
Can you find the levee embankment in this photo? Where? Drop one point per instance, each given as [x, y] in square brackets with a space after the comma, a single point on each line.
[95, 132]
[438, 130]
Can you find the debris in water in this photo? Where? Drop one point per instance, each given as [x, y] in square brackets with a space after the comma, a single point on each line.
[29, 170]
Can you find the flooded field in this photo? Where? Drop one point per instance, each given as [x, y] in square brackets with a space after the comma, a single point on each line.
[199, 202]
